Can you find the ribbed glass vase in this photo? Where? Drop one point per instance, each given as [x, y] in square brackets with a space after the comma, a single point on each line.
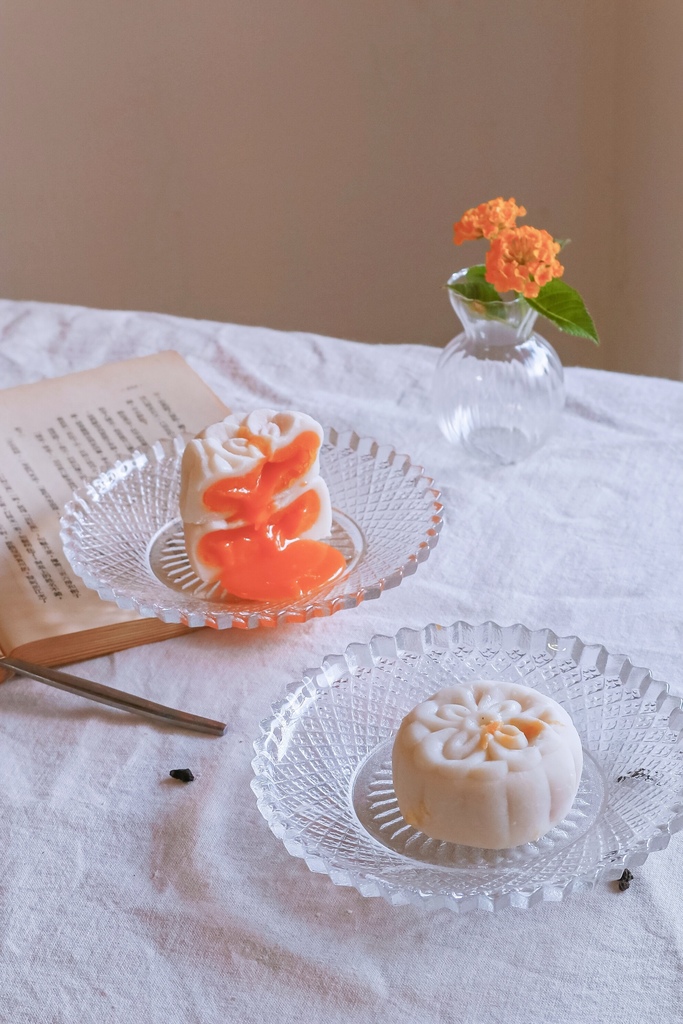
[499, 386]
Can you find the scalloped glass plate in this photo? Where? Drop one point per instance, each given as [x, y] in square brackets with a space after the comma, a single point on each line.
[122, 535]
[323, 767]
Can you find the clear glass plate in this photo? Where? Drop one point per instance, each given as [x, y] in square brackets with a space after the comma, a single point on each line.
[323, 767]
[123, 536]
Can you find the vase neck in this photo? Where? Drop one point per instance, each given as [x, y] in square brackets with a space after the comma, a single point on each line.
[505, 321]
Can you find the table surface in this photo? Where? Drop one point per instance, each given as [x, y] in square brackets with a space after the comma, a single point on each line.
[128, 897]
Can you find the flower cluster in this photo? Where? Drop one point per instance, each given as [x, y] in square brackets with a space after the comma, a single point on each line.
[487, 219]
[521, 259]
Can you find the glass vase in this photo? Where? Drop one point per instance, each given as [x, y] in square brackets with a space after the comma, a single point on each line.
[499, 386]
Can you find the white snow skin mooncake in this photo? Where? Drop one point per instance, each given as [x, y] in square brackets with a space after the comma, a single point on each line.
[489, 764]
[255, 508]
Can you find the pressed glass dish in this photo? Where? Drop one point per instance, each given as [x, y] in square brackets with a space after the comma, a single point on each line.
[323, 767]
[123, 536]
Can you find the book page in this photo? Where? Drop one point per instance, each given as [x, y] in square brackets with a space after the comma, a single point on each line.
[53, 435]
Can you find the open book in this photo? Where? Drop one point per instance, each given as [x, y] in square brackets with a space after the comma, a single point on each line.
[53, 435]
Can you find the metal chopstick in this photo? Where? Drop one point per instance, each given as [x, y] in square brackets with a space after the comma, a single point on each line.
[114, 698]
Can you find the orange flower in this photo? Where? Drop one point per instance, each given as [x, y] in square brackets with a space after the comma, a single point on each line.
[487, 219]
[523, 259]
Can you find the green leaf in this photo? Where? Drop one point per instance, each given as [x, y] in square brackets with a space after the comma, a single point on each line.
[475, 272]
[473, 285]
[564, 307]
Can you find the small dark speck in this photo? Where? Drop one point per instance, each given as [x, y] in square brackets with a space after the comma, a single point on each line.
[639, 773]
[182, 774]
[625, 880]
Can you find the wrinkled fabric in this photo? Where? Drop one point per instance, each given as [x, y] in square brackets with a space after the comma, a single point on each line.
[127, 896]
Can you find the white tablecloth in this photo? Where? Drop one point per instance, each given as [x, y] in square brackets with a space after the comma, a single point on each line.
[127, 897]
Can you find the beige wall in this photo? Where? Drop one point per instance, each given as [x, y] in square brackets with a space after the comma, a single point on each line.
[299, 163]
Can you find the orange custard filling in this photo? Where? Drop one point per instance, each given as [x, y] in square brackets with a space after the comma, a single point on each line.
[268, 561]
[250, 497]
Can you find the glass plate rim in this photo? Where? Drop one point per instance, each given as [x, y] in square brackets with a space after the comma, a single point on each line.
[371, 884]
[168, 612]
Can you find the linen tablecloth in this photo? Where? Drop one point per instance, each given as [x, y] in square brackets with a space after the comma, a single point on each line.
[126, 897]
